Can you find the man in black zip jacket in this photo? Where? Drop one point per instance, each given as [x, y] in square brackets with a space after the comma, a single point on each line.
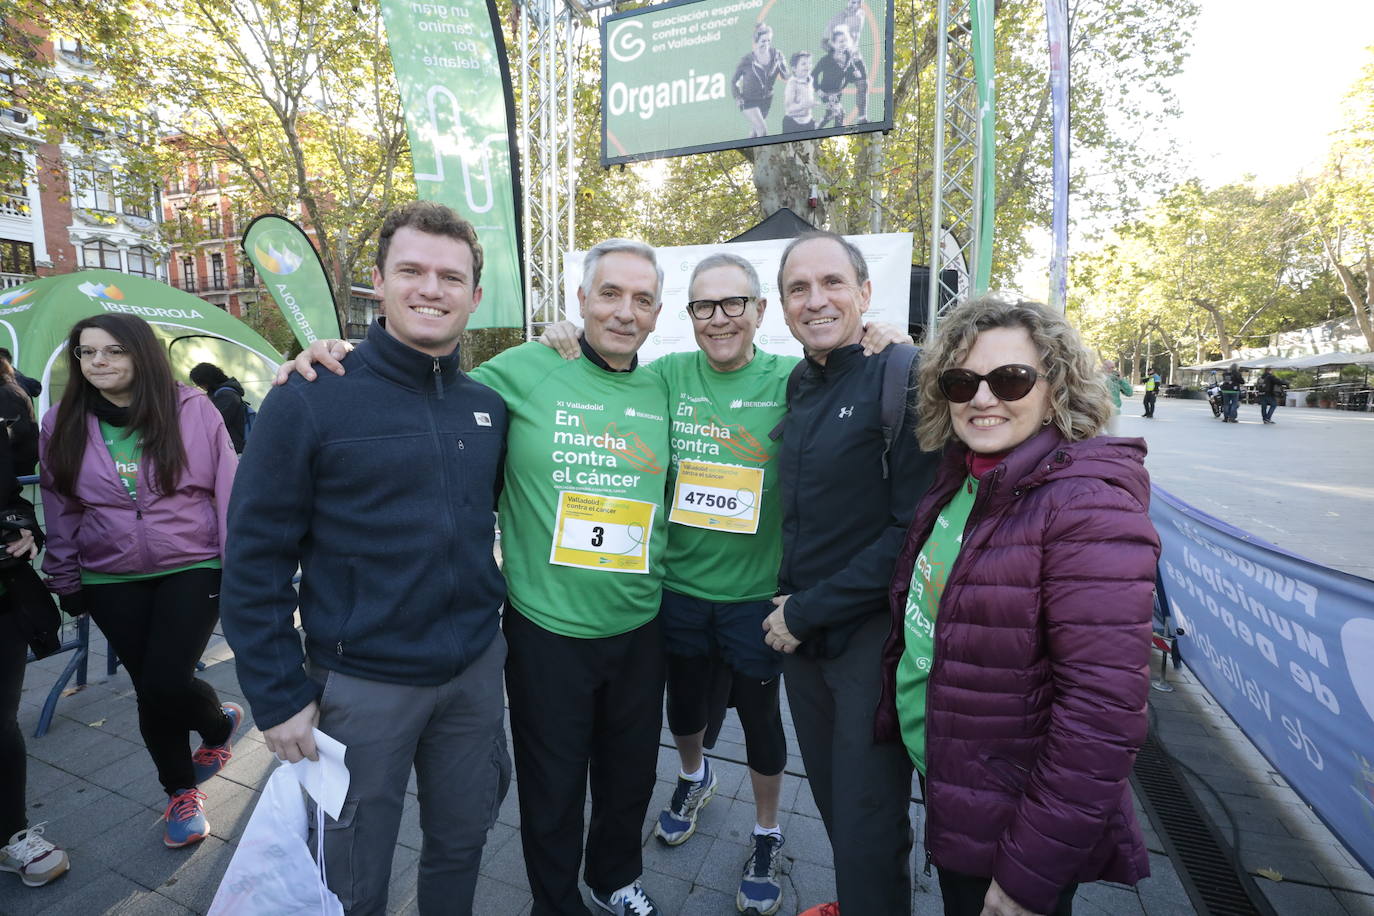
[382, 484]
[845, 512]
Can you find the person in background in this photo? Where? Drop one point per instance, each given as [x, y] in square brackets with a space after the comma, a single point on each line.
[26, 852]
[227, 395]
[799, 97]
[31, 385]
[1270, 388]
[1116, 387]
[752, 83]
[1151, 392]
[1231, 384]
[1015, 667]
[16, 413]
[839, 69]
[137, 471]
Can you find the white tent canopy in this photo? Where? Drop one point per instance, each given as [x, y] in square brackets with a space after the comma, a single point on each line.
[1332, 358]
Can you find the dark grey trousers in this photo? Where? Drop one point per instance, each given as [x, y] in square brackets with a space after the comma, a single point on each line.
[454, 735]
[862, 789]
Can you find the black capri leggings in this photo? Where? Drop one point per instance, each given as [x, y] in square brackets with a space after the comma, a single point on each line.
[159, 628]
[689, 688]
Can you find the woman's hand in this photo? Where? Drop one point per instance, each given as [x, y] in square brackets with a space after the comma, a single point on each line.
[997, 903]
[23, 546]
[325, 352]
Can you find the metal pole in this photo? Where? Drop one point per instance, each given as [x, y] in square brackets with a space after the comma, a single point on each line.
[938, 174]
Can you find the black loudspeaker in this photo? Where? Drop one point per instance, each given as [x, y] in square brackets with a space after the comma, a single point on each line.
[919, 303]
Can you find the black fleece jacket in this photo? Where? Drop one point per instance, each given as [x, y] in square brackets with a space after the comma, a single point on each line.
[382, 485]
[843, 523]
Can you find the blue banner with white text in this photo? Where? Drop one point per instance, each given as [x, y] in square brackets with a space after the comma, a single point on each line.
[1286, 647]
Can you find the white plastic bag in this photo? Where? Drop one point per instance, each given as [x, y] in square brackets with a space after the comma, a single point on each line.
[272, 871]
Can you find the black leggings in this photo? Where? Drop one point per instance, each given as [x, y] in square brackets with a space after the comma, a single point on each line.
[159, 628]
[13, 760]
[689, 689]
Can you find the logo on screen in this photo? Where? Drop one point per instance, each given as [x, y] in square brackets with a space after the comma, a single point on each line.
[625, 45]
[279, 252]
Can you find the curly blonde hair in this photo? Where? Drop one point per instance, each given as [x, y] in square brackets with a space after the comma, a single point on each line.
[1079, 404]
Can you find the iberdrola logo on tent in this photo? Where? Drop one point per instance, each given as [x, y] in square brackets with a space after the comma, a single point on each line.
[279, 252]
[14, 296]
[108, 292]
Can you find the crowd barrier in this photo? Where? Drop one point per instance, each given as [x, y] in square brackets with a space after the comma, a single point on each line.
[1286, 647]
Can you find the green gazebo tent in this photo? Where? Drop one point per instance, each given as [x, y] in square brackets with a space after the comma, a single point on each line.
[36, 317]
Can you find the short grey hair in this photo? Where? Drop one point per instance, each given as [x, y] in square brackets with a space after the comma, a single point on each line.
[856, 257]
[614, 246]
[726, 259]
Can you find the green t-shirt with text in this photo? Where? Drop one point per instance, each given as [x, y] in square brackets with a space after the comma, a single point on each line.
[928, 579]
[582, 521]
[125, 449]
[723, 502]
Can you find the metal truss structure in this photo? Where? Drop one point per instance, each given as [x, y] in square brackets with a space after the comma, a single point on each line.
[550, 35]
[954, 227]
[548, 44]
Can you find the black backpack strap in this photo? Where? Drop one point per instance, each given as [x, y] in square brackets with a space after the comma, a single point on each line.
[793, 383]
[895, 394]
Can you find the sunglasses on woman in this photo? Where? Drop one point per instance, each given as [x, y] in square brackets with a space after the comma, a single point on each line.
[1007, 383]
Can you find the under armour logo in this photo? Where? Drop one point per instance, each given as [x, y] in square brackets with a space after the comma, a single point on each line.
[846, 412]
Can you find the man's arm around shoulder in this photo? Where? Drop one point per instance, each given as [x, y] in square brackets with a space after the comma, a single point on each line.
[269, 518]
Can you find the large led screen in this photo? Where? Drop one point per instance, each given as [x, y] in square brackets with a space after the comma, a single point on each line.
[702, 75]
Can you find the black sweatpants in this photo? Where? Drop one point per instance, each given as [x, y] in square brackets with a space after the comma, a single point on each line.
[862, 789]
[13, 760]
[159, 628]
[580, 705]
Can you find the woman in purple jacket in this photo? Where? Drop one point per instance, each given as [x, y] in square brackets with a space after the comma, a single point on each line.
[1016, 668]
[136, 473]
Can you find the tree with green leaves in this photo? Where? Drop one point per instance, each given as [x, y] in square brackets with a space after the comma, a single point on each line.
[1338, 202]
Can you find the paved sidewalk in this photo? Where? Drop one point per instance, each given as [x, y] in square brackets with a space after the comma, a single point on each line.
[92, 782]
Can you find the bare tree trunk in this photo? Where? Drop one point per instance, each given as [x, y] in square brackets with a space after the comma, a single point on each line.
[786, 174]
[1223, 339]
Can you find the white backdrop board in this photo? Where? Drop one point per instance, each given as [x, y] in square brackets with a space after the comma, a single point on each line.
[889, 267]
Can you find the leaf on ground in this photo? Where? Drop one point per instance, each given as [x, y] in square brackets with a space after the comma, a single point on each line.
[97, 723]
[1269, 873]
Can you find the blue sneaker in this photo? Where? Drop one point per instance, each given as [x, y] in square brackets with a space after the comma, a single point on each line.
[760, 891]
[678, 821]
[209, 759]
[185, 817]
[629, 901]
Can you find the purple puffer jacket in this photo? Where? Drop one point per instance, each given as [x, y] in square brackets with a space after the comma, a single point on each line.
[101, 529]
[1037, 696]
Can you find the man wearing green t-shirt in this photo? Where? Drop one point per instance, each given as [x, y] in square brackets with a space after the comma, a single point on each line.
[584, 540]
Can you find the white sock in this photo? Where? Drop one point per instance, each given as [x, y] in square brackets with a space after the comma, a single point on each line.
[699, 775]
[760, 830]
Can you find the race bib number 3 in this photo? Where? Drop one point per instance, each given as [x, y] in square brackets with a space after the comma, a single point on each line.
[602, 532]
[722, 497]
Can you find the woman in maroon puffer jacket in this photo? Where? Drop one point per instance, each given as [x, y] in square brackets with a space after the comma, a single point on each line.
[1016, 669]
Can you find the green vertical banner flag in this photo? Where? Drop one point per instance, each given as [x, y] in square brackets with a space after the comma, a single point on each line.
[450, 62]
[291, 270]
[984, 68]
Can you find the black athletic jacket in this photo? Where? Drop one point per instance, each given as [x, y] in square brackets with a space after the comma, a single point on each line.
[843, 524]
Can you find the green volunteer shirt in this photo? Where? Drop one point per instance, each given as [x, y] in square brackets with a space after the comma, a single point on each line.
[928, 579]
[582, 520]
[723, 502]
[126, 451]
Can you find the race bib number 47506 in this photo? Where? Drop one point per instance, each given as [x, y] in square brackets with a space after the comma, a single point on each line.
[602, 532]
[721, 497]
